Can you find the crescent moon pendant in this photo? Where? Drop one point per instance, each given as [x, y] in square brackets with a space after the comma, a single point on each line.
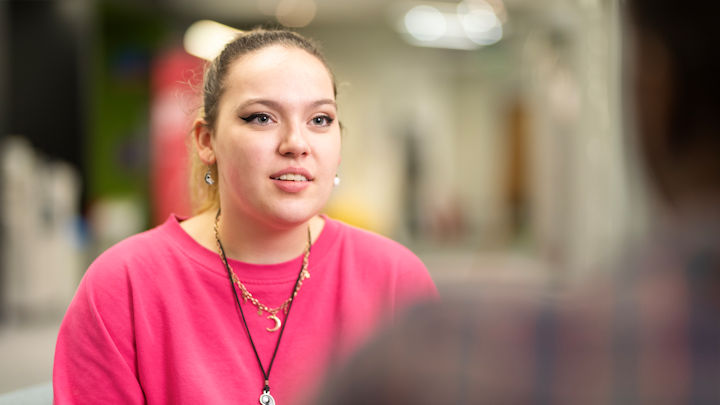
[277, 323]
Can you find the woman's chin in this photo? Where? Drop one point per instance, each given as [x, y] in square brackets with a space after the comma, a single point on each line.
[292, 218]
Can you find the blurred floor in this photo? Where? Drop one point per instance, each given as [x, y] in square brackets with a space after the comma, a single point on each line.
[453, 268]
[27, 354]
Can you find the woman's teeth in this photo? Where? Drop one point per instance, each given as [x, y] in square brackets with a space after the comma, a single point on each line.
[292, 177]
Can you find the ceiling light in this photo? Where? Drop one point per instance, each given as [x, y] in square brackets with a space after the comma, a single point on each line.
[482, 26]
[425, 23]
[467, 25]
[295, 13]
[206, 39]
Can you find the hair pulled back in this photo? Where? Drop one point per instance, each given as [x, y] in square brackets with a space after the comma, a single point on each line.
[204, 196]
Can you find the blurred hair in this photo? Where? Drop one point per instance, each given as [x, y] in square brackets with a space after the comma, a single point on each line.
[689, 33]
[203, 196]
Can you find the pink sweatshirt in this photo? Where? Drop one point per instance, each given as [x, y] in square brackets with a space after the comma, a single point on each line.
[154, 319]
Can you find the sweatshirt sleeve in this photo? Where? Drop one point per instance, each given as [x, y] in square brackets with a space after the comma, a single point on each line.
[414, 284]
[95, 359]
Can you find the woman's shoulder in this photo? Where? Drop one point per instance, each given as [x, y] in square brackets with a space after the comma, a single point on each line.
[136, 251]
[375, 255]
[145, 242]
[374, 245]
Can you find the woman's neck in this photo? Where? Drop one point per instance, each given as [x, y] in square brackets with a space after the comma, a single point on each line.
[252, 241]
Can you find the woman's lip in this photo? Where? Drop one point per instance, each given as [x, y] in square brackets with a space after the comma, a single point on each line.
[290, 186]
[293, 170]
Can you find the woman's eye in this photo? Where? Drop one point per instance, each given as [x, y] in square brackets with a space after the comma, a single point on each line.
[258, 118]
[322, 120]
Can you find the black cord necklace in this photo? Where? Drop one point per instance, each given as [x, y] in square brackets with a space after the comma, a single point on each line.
[265, 397]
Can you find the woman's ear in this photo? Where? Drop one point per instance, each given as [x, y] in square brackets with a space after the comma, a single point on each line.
[202, 136]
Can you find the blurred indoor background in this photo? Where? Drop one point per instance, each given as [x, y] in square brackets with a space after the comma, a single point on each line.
[487, 135]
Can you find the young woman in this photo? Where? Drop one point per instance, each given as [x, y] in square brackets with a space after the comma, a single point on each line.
[254, 297]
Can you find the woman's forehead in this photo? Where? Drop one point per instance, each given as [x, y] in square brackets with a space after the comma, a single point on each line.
[278, 65]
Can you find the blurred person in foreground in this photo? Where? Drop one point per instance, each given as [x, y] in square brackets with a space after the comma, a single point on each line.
[651, 333]
[221, 308]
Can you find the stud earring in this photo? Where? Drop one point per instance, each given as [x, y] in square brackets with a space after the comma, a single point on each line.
[208, 178]
[336, 180]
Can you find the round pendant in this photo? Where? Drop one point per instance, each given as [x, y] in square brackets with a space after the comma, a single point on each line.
[277, 324]
[266, 399]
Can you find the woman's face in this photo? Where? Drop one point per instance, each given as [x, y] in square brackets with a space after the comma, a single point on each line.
[277, 138]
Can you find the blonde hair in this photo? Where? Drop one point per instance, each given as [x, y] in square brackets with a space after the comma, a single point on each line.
[203, 196]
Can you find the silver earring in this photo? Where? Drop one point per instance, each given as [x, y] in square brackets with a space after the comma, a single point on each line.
[336, 180]
[209, 179]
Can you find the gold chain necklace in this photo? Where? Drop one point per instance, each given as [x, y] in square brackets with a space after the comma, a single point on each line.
[247, 296]
[265, 397]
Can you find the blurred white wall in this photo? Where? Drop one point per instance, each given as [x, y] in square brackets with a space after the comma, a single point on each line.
[445, 100]
[560, 63]
[41, 253]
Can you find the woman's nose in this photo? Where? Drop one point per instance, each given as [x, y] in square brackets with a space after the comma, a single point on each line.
[293, 142]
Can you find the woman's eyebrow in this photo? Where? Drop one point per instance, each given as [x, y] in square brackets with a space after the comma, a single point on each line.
[263, 101]
[324, 101]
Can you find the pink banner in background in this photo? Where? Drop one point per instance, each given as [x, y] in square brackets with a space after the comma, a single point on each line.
[176, 78]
